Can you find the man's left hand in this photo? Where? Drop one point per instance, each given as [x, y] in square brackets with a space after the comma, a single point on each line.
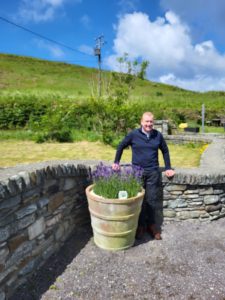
[170, 173]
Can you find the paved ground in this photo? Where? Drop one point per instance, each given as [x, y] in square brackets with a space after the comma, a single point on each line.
[189, 263]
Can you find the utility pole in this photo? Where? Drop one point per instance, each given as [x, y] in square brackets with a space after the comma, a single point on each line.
[97, 51]
[203, 118]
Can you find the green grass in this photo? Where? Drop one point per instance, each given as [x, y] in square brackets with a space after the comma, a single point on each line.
[13, 152]
[213, 129]
[21, 75]
[28, 135]
[35, 80]
[31, 74]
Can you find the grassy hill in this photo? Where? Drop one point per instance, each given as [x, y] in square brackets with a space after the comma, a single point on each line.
[21, 76]
[30, 74]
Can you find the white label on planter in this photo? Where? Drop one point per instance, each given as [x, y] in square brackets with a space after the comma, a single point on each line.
[122, 195]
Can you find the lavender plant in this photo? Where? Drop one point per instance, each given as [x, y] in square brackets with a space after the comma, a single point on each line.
[108, 183]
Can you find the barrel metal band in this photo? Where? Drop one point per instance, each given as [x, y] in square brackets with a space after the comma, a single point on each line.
[114, 234]
[113, 218]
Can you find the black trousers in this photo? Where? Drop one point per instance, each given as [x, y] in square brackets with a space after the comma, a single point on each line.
[151, 185]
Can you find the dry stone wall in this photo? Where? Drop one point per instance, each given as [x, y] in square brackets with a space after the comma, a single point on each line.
[197, 193]
[202, 201]
[41, 204]
[38, 211]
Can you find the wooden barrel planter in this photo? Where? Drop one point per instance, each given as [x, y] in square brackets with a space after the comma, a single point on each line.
[114, 221]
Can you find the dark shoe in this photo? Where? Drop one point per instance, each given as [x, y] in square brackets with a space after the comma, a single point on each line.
[140, 232]
[154, 232]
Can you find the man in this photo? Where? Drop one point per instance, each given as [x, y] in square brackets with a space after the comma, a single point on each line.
[145, 143]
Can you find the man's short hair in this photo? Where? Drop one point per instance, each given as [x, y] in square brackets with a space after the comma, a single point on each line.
[147, 113]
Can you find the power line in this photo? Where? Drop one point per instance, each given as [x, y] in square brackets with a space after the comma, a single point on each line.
[43, 37]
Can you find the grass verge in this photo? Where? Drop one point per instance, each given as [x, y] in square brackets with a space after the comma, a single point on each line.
[13, 152]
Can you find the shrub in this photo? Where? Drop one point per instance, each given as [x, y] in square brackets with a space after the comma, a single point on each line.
[61, 136]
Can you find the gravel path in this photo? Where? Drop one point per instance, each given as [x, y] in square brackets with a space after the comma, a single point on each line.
[189, 263]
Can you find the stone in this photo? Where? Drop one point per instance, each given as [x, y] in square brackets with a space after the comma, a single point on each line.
[39, 177]
[26, 178]
[18, 255]
[26, 211]
[169, 213]
[181, 203]
[29, 267]
[198, 199]
[33, 178]
[31, 196]
[2, 268]
[51, 186]
[53, 220]
[3, 254]
[2, 295]
[187, 192]
[42, 246]
[215, 213]
[53, 189]
[218, 192]
[204, 216]
[48, 252]
[165, 203]
[55, 201]
[208, 191]
[61, 209]
[36, 229]
[7, 219]
[4, 274]
[15, 185]
[16, 241]
[59, 233]
[4, 233]
[169, 197]
[176, 187]
[26, 221]
[10, 202]
[69, 184]
[176, 193]
[3, 191]
[211, 208]
[177, 203]
[196, 203]
[184, 215]
[191, 196]
[211, 199]
[43, 202]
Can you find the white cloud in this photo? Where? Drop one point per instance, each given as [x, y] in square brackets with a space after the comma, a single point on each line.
[203, 16]
[198, 83]
[128, 5]
[85, 20]
[55, 51]
[86, 49]
[40, 10]
[167, 44]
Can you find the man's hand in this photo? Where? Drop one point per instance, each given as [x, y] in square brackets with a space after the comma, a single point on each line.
[170, 173]
[116, 166]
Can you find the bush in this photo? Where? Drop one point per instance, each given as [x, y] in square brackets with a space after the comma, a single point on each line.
[61, 136]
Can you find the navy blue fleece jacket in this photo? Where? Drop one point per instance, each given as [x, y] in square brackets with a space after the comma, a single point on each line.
[144, 149]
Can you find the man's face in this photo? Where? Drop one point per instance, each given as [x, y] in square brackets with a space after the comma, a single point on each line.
[147, 123]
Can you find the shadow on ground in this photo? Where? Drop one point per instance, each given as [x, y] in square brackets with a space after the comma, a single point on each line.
[45, 277]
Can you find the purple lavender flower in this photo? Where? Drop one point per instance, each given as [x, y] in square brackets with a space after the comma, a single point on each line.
[108, 182]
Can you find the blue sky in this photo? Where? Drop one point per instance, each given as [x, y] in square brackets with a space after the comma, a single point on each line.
[183, 40]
